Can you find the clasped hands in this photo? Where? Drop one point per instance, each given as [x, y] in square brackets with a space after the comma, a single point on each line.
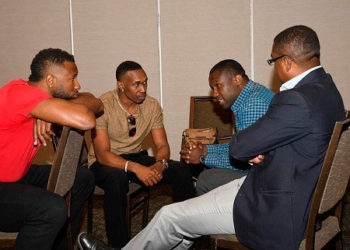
[191, 152]
[150, 175]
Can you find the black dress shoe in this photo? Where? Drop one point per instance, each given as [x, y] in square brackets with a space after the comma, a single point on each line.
[89, 242]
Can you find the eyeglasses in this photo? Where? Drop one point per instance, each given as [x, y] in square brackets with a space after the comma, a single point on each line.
[273, 60]
[132, 125]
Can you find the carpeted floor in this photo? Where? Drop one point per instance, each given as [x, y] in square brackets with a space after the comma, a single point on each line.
[159, 196]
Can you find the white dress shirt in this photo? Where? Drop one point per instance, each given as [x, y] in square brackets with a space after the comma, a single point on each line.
[295, 80]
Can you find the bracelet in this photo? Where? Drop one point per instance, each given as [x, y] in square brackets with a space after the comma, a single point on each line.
[126, 166]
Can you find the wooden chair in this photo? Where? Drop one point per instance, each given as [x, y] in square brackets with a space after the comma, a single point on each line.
[326, 202]
[346, 212]
[205, 112]
[61, 177]
[137, 198]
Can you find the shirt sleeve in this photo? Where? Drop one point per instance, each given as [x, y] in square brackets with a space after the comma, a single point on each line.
[158, 117]
[25, 98]
[102, 121]
[254, 109]
[218, 156]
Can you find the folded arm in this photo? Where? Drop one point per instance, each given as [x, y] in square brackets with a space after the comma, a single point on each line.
[286, 120]
[77, 113]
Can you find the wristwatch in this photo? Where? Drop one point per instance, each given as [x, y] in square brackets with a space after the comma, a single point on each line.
[164, 162]
[202, 159]
[203, 156]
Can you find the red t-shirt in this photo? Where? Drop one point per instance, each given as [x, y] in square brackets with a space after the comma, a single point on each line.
[17, 100]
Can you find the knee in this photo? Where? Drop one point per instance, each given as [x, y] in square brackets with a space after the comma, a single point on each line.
[201, 185]
[179, 170]
[166, 213]
[163, 216]
[117, 181]
[169, 217]
[85, 178]
[54, 211]
[199, 188]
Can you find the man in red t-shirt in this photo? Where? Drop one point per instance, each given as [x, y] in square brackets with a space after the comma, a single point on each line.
[27, 109]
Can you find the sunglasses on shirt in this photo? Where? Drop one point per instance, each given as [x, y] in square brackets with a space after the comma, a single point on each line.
[132, 125]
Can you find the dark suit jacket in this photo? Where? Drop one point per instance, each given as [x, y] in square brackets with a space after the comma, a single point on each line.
[271, 208]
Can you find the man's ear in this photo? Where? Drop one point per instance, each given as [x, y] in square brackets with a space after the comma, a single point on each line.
[50, 80]
[120, 86]
[239, 79]
[287, 64]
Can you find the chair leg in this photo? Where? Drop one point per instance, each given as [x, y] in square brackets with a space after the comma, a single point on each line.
[128, 215]
[213, 244]
[145, 209]
[90, 214]
[338, 244]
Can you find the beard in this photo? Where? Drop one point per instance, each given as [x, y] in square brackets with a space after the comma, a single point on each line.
[60, 93]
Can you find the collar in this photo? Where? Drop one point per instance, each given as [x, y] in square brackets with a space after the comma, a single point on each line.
[295, 80]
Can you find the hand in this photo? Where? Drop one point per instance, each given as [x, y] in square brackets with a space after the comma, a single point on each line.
[158, 167]
[42, 131]
[192, 151]
[257, 160]
[149, 176]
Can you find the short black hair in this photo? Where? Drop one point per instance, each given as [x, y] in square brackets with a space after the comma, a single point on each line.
[44, 59]
[125, 67]
[231, 67]
[298, 41]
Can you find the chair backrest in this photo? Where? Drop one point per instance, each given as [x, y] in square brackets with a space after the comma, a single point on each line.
[338, 175]
[62, 173]
[330, 188]
[205, 112]
[66, 161]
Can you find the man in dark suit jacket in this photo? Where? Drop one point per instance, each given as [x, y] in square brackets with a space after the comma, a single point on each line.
[271, 208]
[286, 146]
